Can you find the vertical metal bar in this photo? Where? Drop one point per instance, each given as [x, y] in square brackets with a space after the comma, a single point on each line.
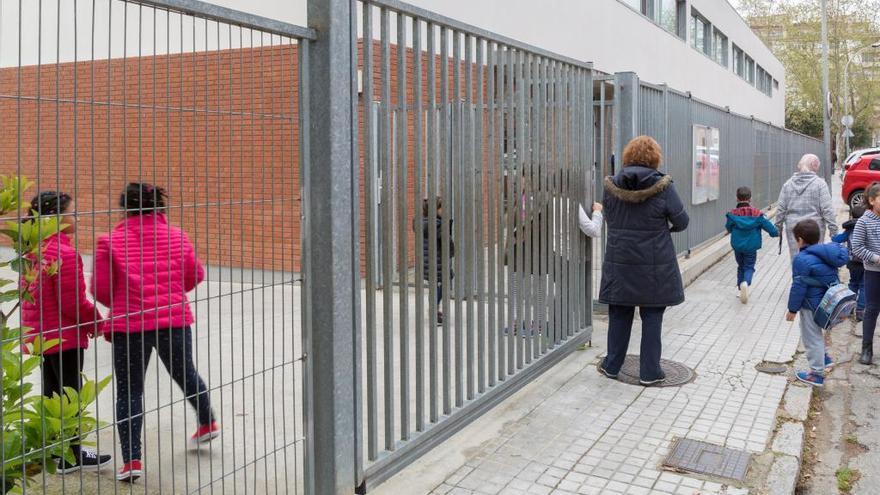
[467, 224]
[456, 189]
[355, 171]
[524, 155]
[330, 436]
[522, 219]
[500, 208]
[445, 161]
[372, 357]
[547, 209]
[555, 160]
[402, 258]
[514, 210]
[431, 223]
[480, 187]
[418, 164]
[491, 188]
[387, 199]
[540, 217]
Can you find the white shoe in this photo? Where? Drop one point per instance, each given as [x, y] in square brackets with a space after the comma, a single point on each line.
[744, 292]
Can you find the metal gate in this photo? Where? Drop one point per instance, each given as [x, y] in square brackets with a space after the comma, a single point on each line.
[479, 224]
[204, 103]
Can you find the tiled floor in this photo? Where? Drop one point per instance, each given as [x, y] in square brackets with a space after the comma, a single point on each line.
[599, 436]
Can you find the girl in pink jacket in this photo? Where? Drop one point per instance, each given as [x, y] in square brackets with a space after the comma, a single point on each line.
[143, 271]
[59, 311]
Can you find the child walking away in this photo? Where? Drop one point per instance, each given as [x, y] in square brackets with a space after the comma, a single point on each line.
[592, 228]
[854, 265]
[814, 269]
[745, 223]
[866, 247]
[143, 271]
[58, 310]
[435, 224]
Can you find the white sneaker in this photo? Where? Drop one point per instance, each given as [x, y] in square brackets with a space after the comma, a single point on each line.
[744, 292]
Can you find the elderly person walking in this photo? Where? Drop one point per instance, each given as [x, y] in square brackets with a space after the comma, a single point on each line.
[640, 269]
[805, 196]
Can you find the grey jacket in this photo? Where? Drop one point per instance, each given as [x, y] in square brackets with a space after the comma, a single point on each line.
[805, 196]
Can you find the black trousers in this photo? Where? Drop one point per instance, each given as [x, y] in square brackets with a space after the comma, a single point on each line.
[63, 369]
[620, 322]
[131, 356]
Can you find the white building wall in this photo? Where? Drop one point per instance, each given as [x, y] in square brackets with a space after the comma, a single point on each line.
[607, 32]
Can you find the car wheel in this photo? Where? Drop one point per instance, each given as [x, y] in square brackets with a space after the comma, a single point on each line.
[856, 198]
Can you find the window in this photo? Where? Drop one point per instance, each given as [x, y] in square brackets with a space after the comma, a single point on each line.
[875, 164]
[750, 70]
[764, 81]
[739, 62]
[701, 37]
[668, 14]
[719, 47]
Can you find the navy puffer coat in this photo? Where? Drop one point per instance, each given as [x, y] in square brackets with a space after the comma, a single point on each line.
[642, 209]
[819, 262]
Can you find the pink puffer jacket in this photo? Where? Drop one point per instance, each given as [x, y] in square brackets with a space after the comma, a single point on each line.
[60, 309]
[143, 270]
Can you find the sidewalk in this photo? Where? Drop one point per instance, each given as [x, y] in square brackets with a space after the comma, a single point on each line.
[576, 432]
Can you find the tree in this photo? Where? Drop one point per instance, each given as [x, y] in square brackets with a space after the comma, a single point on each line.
[792, 28]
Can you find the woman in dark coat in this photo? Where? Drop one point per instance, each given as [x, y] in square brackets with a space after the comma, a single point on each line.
[642, 209]
[435, 223]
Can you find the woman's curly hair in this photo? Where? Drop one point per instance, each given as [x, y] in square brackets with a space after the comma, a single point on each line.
[140, 198]
[643, 150]
[50, 203]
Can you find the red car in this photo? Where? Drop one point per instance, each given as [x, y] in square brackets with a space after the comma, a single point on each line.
[859, 176]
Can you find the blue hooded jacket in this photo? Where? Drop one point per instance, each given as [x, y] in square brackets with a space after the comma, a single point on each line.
[821, 262]
[745, 225]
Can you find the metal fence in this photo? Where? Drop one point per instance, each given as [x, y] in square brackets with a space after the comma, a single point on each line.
[752, 153]
[474, 153]
[203, 102]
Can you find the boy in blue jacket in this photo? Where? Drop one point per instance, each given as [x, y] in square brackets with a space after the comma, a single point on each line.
[813, 270]
[854, 265]
[745, 223]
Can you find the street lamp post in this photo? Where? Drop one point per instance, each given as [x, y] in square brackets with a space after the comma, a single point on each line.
[846, 83]
[826, 104]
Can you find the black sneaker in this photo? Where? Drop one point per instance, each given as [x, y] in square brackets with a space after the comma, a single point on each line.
[605, 372]
[655, 381]
[88, 461]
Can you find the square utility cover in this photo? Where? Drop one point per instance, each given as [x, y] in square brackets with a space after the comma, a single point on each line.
[698, 457]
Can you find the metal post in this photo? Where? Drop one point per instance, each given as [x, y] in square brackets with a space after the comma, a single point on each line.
[627, 112]
[826, 109]
[331, 355]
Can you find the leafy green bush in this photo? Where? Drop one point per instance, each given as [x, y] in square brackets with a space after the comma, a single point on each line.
[35, 428]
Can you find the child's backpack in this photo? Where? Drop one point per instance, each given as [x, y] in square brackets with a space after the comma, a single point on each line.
[836, 306]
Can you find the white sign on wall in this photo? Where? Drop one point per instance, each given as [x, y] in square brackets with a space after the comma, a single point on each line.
[706, 173]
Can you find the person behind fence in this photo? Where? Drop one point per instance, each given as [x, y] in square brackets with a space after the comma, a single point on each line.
[866, 247]
[591, 227]
[814, 269]
[437, 225]
[805, 196]
[854, 265]
[640, 269]
[60, 314]
[745, 223]
[143, 271]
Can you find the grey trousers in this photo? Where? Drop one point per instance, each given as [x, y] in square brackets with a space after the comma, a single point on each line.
[814, 342]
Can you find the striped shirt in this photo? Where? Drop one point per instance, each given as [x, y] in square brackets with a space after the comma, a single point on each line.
[866, 241]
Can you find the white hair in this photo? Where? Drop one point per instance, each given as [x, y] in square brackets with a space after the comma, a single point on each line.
[809, 163]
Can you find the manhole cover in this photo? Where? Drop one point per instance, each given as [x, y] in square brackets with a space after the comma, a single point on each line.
[677, 374]
[772, 368]
[694, 456]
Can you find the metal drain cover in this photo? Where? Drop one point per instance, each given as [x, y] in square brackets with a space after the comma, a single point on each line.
[771, 368]
[677, 374]
[694, 456]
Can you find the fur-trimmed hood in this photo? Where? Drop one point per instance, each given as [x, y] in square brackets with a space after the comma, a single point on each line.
[637, 184]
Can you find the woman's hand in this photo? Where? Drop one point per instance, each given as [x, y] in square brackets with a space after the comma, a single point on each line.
[597, 207]
[789, 316]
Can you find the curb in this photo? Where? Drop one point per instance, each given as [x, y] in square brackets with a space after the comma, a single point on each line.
[788, 442]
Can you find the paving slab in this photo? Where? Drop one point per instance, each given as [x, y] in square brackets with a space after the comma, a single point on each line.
[613, 437]
[789, 439]
[797, 402]
[783, 476]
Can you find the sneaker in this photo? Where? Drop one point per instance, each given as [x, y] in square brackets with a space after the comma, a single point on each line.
[439, 318]
[810, 378]
[204, 434]
[605, 372]
[131, 471]
[88, 461]
[829, 363]
[655, 381]
[744, 292]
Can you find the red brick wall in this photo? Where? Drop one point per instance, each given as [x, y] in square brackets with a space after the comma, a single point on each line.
[219, 130]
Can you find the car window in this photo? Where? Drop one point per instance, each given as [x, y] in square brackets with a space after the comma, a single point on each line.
[875, 164]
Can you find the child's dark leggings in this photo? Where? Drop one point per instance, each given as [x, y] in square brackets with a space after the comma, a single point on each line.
[63, 369]
[131, 356]
[872, 305]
